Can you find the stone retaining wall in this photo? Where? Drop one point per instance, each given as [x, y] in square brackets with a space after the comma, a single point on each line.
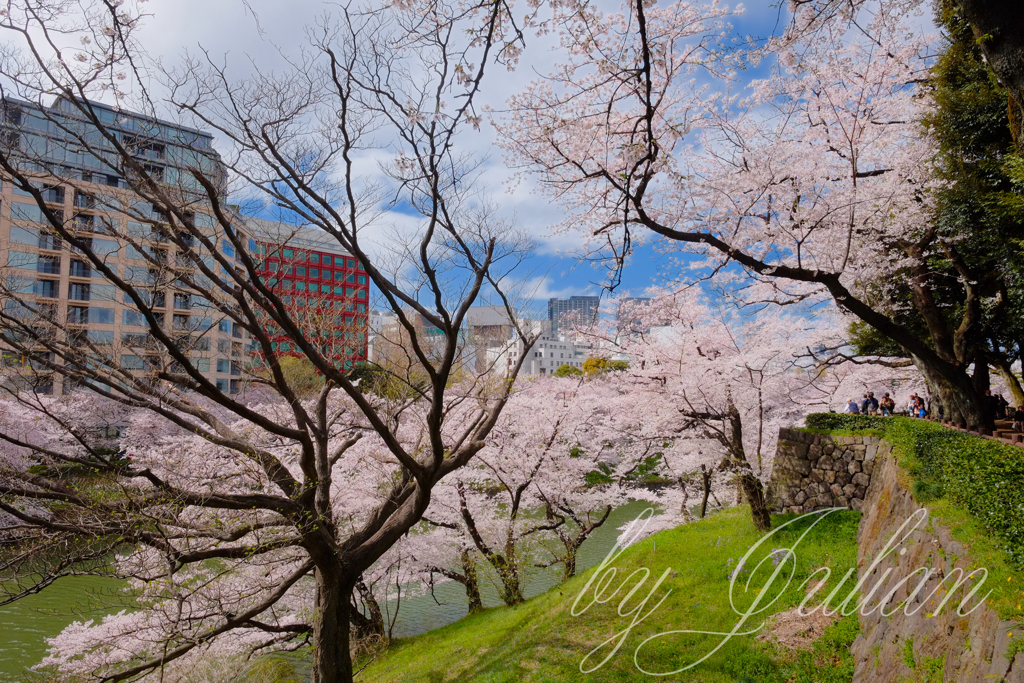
[814, 471]
[912, 643]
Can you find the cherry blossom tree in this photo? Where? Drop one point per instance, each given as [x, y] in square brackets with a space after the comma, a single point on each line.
[816, 185]
[246, 521]
[533, 489]
[718, 384]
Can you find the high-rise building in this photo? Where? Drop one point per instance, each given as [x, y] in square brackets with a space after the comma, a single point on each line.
[51, 286]
[576, 310]
[630, 315]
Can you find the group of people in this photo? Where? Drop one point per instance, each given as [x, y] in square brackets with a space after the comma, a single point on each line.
[869, 405]
[918, 407]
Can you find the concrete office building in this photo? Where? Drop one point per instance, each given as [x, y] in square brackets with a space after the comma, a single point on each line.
[576, 310]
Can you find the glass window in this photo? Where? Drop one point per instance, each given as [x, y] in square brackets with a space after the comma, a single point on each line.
[314, 258]
[339, 275]
[101, 316]
[103, 292]
[222, 385]
[100, 336]
[314, 273]
[351, 263]
[327, 260]
[132, 318]
[223, 365]
[350, 291]
[273, 266]
[224, 326]
[288, 253]
[285, 346]
[339, 290]
[23, 259]
[24, 236]
[351, 278]
[361, 308]
[300, 286]
[77, 292]
[300, 271]
[48, 288]
[129, 362]
[201, 364]
[362, 279]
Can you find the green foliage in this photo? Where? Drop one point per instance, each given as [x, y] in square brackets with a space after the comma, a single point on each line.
[908, 653]
[842, 421]
[567, 370]
[595, 365]
[647, 470]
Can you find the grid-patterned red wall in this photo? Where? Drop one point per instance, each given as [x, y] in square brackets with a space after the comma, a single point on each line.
[322, 276]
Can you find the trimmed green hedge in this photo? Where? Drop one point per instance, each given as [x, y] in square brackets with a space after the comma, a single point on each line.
[837, 421]
[982, 476]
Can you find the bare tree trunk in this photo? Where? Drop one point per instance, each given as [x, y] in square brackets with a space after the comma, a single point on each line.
[754, 493]
[471, 583]
[372, 625]
[706, 481]
[332, 660]
[1012, 383]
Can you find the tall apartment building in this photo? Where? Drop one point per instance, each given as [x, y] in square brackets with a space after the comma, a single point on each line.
[578, 310]
[53, 285]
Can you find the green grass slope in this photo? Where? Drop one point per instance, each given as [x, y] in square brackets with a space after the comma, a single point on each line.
[541, 640]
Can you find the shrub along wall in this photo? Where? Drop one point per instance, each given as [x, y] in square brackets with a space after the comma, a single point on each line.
[982, 476]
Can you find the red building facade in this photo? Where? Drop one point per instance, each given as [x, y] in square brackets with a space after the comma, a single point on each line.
[327, 291]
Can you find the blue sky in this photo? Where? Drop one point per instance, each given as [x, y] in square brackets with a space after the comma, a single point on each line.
[248, 34]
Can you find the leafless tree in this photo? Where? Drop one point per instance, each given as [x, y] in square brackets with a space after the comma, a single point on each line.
[304, 140]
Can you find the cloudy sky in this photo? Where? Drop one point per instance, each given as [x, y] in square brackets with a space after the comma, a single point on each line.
[246, 33]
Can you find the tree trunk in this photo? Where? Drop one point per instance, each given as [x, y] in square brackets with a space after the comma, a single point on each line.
[1012, 384]
[366, 626]
[570, 561]
[332, 661]
[472, 584]
[754, 493]
[999, 28]
[706, 480]
[960, 402]
[511, 589]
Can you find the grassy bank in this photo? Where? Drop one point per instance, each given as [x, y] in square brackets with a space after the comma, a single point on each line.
[542, 641]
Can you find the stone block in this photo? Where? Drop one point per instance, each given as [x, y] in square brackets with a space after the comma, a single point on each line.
[857, 504]
[853, 467]
[869, 467]
[817, 475]
[830, 477]
[800, 498]
[803, 467]
[843, 478]
[841, 502]
[849, 490]
[861, 479]
[860, 492]
[836, 490]
[828, 449]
